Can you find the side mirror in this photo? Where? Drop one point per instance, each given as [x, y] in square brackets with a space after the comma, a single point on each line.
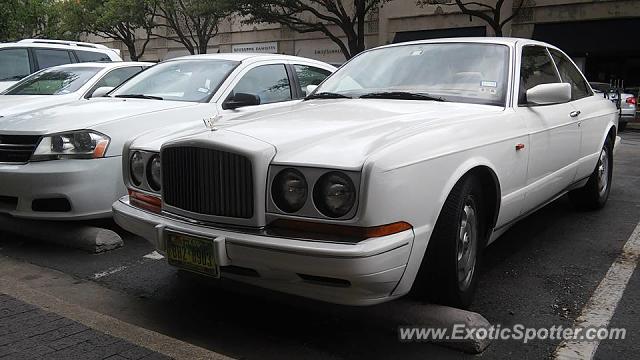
[548, 94]
[239, 100]
[101, 91]
[310, 89]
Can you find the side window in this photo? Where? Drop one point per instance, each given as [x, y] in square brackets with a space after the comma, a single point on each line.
[52, 57]
[115, 78]
[310, 75]
[14, 64]
[92, 56]
[570, 74]
[537, 68]
[269, 82]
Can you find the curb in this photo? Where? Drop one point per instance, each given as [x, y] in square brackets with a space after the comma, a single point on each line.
[75, 235]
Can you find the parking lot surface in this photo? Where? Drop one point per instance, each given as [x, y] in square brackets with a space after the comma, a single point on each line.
[541, 273]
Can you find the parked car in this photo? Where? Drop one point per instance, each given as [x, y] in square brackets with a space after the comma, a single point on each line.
[64, 84]
[393, 175]
[627, 104]
[63, 162]
[22, 58]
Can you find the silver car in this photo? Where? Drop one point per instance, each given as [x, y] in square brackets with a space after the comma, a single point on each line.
[627, 104]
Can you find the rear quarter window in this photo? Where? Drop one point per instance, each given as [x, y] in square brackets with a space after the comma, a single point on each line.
[92, 56]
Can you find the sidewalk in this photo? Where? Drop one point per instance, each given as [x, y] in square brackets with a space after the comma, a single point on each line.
[28, 332]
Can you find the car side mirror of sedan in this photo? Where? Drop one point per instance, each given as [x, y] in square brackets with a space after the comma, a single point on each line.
[101, 92]
[310, 88]
[548, 94]
[239, 100]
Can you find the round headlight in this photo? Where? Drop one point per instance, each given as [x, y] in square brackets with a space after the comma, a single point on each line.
[334, 194]
[289, 190]
[153, 173]
[137, 168]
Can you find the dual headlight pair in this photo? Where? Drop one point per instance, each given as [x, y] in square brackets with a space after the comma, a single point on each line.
[146, 168]
[82, 144]
[333, 193]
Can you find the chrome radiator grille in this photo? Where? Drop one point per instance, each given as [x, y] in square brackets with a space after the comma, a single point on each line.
[17, 148]
[207, 181]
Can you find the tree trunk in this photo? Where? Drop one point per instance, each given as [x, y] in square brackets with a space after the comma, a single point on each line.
[133, 53]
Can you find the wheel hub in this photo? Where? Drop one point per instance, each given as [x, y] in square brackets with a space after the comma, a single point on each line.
[467, 246]
[603, 172]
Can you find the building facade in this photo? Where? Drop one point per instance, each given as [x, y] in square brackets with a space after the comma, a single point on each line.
[600, 35]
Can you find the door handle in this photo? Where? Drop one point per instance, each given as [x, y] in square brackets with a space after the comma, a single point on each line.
[574, 113]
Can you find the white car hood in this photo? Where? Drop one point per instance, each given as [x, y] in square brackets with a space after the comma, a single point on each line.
[344, 133]
[83, 114]
[17, 104]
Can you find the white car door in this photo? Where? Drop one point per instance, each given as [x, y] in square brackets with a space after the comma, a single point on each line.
[554, 134]
[592, 117]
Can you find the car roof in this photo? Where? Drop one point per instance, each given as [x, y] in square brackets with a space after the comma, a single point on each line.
[48, 45]
[105, 65]
[248, 57]
[509, 41]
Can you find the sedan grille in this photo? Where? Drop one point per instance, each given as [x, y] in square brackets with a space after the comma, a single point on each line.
[17, 148]
[207, 181]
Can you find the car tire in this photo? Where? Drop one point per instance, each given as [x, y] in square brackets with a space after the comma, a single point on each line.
[622, 126]
[449, 271]
[595, 193]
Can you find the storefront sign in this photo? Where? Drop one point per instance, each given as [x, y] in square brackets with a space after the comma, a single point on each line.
[267, 47]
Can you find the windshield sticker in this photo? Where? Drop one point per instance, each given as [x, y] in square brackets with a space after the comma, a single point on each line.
[417, 52]
[493, 84]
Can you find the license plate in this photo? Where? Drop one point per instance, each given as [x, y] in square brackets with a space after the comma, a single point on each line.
[192, 253]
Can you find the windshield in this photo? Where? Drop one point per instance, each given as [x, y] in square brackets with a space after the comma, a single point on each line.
[54, 81]
[459, 72]
[179, 80]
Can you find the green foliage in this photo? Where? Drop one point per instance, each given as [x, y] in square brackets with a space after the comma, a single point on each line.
[114, 19]
[193, 23]
[21, 19]
[348, 17]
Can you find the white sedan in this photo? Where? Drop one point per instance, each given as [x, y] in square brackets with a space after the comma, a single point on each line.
[64, 162]
[66, 83]
[393, 175]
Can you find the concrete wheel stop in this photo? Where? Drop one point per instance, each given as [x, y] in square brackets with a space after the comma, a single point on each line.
[467, 330]
[78, 235]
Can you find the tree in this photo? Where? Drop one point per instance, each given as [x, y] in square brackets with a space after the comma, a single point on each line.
[21, 19]
[334, 18]
[193, 23]
[492, 14]
[121, 20]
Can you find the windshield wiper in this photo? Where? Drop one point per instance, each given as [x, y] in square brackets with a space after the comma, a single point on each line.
[327, 95]
[401, 95]
[139, 96]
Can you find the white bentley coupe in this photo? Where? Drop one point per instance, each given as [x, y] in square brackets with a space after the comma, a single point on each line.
[392, 176]
[64, 162]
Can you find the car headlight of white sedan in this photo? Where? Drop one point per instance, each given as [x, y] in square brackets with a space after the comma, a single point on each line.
[82, 144]
[313, 192]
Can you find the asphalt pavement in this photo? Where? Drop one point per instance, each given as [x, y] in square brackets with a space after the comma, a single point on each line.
[541, 273]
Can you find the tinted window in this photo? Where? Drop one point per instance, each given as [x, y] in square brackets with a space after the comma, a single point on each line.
[537, 68]
[180, 80]
[570, 74]
[50, 57]
[309, 75]
[269, 82]
[54, 81]
[91, 56]
[115, 78]
[14, 64]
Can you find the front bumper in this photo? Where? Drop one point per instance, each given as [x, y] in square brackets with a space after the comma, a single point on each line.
[89, 186]
[373, 268]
